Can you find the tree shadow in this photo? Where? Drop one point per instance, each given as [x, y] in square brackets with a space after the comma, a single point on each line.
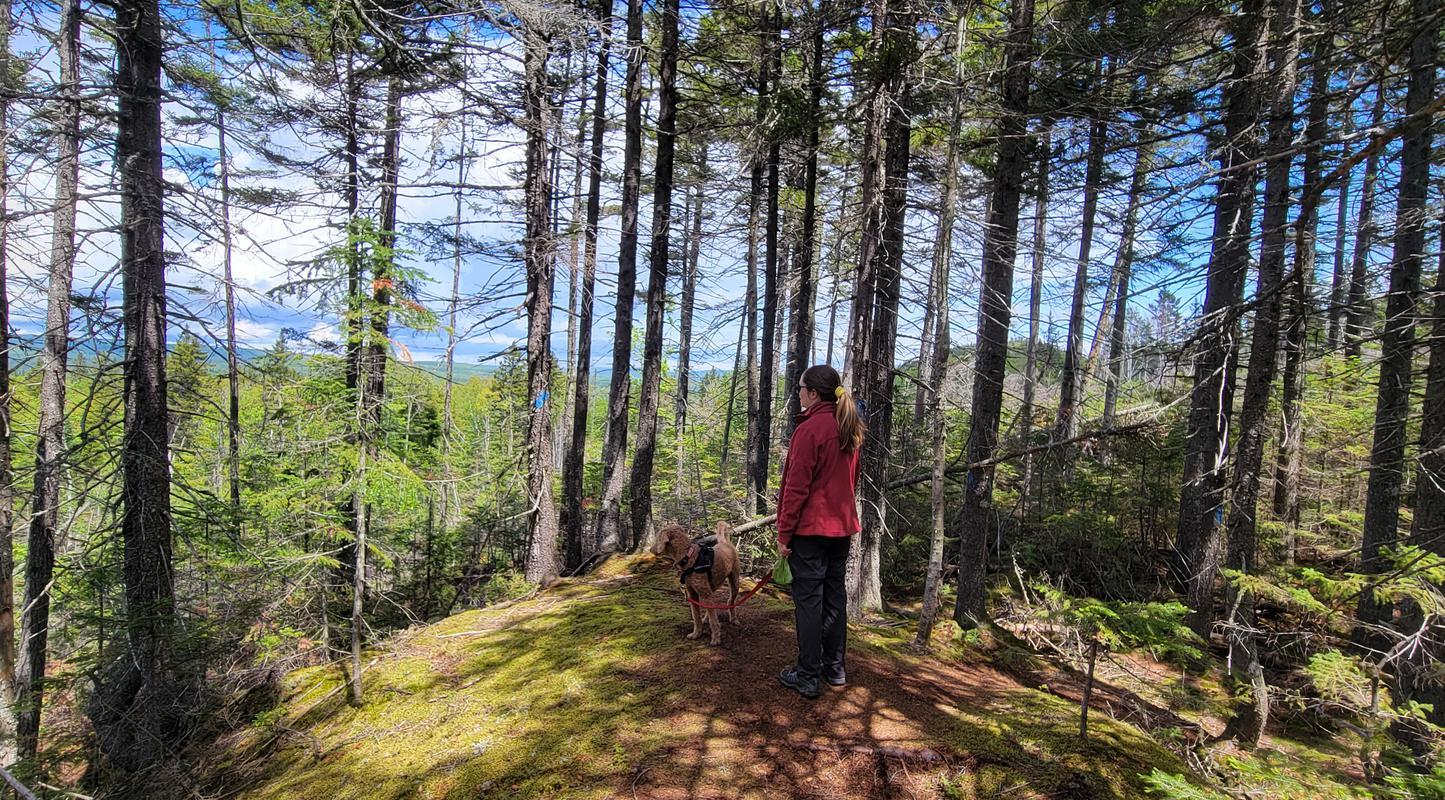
[592, 691]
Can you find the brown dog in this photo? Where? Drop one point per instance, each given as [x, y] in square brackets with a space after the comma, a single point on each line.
[674, 543]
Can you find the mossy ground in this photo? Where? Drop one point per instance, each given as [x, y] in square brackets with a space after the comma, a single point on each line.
[589, 690]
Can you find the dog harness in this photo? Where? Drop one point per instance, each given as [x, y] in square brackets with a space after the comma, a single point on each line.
[699, 559]
[700, 555]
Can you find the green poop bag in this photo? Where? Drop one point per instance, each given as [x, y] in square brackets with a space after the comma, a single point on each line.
[782, 573]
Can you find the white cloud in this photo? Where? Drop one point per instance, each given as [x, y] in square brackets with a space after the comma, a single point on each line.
[324, 332]
[253, 333]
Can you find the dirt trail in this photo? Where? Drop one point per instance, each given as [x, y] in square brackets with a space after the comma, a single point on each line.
[590, 690]
[881, 736]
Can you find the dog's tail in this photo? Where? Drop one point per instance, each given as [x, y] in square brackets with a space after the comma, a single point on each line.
[724, 532]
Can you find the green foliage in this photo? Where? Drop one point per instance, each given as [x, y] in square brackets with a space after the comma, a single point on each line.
[1104, 525]
[1177, 787]
[1340, 679]
[1156, 627]
[1407, 784]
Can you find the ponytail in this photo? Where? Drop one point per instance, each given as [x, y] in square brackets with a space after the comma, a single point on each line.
[850, 425]
[825, 380]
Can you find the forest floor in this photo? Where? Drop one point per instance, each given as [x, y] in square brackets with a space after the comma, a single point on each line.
[590, 690]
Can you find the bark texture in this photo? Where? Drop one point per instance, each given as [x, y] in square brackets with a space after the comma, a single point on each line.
[540, 261]
[143, 701]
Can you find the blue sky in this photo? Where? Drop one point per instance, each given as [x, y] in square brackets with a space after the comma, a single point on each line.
[271, 244]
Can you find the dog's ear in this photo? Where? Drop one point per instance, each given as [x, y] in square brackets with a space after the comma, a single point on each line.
[664, 540]
[724, 531]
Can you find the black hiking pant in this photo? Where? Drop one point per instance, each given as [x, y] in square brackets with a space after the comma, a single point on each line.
[820, 603]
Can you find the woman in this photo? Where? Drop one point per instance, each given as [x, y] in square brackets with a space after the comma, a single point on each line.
[817, 517]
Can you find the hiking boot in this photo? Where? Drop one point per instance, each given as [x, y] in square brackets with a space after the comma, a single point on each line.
[802, 684]
[840, 678]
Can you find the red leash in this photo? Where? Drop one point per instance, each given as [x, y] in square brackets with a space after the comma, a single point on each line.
[764, 582]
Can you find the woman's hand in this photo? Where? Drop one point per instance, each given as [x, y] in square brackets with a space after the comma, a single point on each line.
[784, 550]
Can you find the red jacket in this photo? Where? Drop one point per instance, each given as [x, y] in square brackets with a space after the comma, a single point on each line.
[816, 496]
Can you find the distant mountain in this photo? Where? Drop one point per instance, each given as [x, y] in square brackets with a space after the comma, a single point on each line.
[462, 371]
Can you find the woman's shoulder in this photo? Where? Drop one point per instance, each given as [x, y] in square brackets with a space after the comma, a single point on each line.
[819, 424]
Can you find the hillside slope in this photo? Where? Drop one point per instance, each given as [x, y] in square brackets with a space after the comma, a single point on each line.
[590, 691]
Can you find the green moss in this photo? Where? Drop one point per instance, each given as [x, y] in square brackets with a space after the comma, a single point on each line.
[586, 688]
[1031, 737]
[526, 700]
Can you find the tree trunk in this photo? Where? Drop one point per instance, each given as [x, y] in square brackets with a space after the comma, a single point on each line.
[732, 400]
[757, 187]
[50, 441]
[835, 259]
[1263, 358]
[1088, 692]
[750, 325]
[361, 513]
[873, 377]
[355, 313]
[1387, 453]
[338, 578]
[684, 336]
[233, 366]
[995, 304]
[1066, 422]
[1286, 501]
[781, 329]
[451, 501]
[1340, 290]
[7, 433]
[1357, 321]
[942, 259]
[772, 286]
[1251, 713]
[1428, 533]
[383, 283]
[925, 351]
[806, 297]
[1123, 271]
[373, 372]
[871, 168]
[537, 253]
[649, 399]
[1340, 279]
[572, 465]
[1103, 324]
[574, 275]
[1197, 545]
[614, 448]
[1036, 291]
[137, 710]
